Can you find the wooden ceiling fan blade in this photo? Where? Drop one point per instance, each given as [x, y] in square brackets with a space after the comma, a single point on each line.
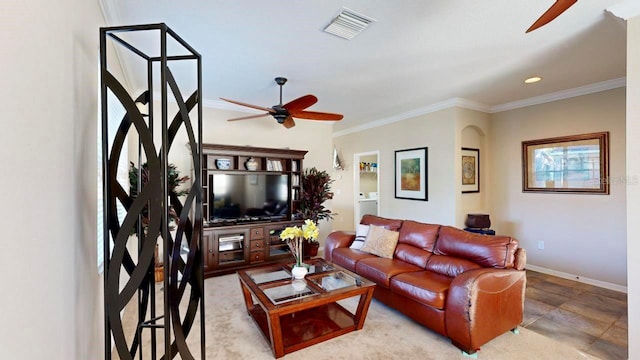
[269, 110]
[553, 12]
[249, 117]
[288, 122]
[314, 115]
[300, 103]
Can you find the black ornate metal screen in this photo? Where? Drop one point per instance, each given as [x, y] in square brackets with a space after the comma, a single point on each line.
[169, 314]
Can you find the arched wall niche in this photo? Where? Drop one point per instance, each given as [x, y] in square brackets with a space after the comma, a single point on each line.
[474, 137]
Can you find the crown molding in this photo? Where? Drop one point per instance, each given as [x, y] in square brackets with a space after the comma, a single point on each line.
[472, 105]
[455, 102]
[625, 9]
[560, 95]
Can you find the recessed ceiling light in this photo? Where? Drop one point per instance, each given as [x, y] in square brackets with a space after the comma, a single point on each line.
[533, 79]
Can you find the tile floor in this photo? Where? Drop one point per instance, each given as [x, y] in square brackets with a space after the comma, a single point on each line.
[588, 317]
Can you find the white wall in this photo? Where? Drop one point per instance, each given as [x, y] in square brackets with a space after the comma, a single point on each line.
[51, 306]
[578, 230]
[435, 131]
[633, 192]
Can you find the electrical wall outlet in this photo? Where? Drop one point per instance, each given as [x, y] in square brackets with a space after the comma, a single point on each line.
[540, 245]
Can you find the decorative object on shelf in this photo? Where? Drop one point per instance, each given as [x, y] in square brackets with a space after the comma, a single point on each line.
[295, 237]
[223, 164]
[577, 164]
[479, 224]
[470, 170]
[316, 189]
[411, 174]
[337, 164]
[251, 164]
[478, 221]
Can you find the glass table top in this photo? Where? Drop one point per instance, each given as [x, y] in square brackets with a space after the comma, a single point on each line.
[336, 280]
[279, 286]
[294, 290]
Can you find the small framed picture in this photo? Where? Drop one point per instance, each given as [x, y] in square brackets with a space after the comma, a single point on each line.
[470, 170]
[411, 174]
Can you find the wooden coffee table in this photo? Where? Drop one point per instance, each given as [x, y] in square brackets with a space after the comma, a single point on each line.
[294, 314]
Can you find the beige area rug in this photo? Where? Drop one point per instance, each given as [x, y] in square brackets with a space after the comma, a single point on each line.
[387, 334]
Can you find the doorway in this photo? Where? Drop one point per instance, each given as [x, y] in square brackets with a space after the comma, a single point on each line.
[366, 184]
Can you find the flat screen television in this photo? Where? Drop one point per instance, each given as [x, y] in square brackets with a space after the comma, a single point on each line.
[248, 197]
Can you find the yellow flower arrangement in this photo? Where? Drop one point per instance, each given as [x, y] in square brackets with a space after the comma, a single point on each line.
[294, 235]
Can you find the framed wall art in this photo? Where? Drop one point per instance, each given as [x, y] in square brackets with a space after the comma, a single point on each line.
[567, 164]
[470, 170]
[411, 174]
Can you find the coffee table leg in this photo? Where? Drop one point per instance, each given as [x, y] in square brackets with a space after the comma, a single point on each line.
[248, 300]
[363, 308]
[275, 332]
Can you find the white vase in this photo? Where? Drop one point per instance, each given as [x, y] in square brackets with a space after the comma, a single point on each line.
[299, 272]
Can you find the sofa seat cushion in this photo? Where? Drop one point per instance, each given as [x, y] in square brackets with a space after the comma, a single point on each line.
[381, 270]
[449, 265]
[425, 287]
[348, 258]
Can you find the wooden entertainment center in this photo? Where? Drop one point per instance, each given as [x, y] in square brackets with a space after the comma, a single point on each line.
[236, 235]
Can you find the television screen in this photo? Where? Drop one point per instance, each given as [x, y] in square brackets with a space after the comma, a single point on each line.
[249, 196]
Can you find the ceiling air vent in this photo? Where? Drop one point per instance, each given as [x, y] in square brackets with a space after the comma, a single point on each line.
[348, 24]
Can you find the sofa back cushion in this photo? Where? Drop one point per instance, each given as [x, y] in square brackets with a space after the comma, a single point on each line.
[389, 224]
[416, 242]
[418, 234]
[484, 250]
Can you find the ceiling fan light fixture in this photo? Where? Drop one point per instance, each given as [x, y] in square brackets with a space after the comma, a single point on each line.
[348, 24]
[533, 79]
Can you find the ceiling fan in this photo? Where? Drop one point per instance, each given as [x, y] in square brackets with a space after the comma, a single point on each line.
[284, 114]
[553, 12]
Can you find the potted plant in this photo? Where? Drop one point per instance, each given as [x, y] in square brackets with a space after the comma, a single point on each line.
[175, 181]
[316, 189]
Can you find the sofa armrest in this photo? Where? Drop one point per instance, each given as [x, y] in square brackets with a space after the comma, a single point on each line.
[335, 240]
[483, 304]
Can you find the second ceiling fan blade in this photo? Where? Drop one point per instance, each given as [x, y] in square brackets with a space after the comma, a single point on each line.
[553, 12]
[271, 111]
[288, 122]
[300, 103]
[314, 115]
[249, 117]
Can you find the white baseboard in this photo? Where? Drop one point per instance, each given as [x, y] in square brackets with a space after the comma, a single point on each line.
[578, 278]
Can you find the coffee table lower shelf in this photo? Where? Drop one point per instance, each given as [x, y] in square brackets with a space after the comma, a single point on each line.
[307, 327]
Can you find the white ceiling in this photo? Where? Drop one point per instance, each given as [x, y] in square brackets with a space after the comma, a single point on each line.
[417, 55]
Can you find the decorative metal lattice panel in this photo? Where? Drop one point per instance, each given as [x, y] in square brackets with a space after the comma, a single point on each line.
[156, 214]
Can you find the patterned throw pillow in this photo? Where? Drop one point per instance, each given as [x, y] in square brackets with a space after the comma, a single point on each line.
[361, 235]
[381, 242]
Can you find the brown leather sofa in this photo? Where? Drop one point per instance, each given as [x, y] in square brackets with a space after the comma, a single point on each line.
[465, 286]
